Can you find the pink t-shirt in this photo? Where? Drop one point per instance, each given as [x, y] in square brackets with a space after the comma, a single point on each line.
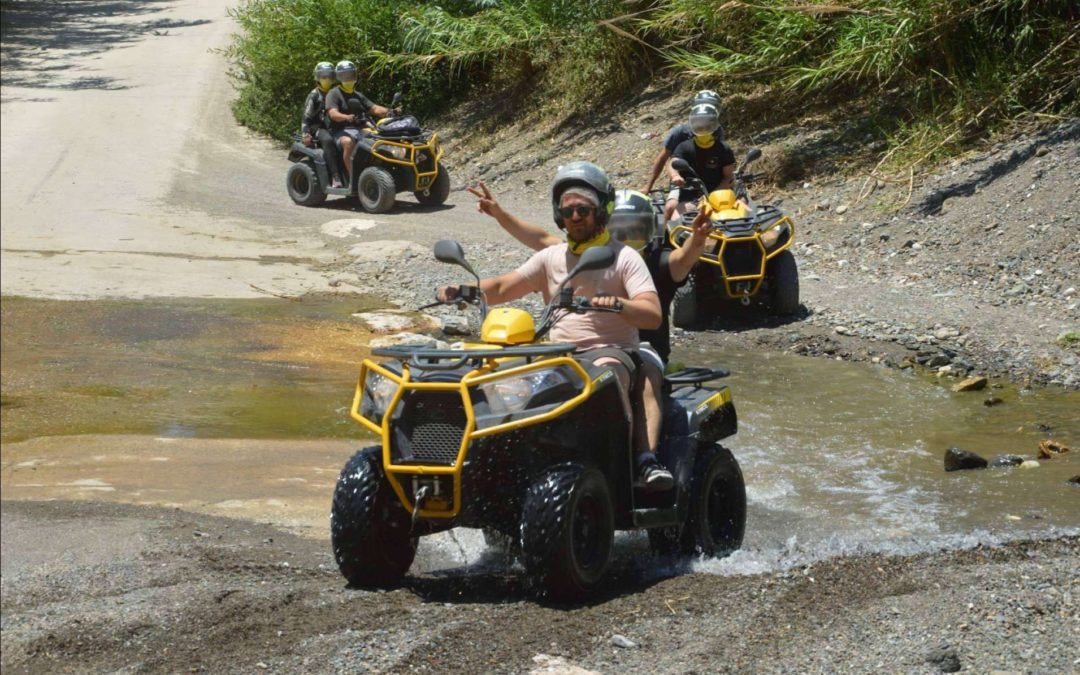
[627, 278]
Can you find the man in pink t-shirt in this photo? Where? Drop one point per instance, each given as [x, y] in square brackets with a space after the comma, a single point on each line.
[582, 198]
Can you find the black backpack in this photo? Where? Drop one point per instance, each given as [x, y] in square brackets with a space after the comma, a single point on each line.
[401, 126]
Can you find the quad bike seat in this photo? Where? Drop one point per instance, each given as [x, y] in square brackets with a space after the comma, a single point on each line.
[399, 127]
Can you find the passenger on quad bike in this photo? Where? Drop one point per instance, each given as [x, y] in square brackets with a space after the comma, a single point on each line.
[313, 124]
[632, 222]
[583, 199]
[710, 158]
[346, 125]
[678, 134]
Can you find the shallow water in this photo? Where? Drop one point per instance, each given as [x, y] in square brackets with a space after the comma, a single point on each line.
[838, 457]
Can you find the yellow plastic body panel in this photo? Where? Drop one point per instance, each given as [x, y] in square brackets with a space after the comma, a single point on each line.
[424, 179]
[508, 326]
[757, 238]
[397, 474]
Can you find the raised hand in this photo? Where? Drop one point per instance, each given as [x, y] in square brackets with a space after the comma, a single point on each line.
[486, 202]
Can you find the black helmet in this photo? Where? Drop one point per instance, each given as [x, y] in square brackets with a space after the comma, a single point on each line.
[345, 71]
[585, 174]
[323, 70]
[707, 96]
[633, 222]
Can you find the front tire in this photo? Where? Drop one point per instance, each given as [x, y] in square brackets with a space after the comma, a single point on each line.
[567, 529]
[376, 190]
[439, 190]
[717, 518]
[303, 185]
[685, 308]
[784, 298]
[369, 528]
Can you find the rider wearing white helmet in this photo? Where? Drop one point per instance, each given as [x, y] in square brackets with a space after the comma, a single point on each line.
[675, 136]
[710, 158]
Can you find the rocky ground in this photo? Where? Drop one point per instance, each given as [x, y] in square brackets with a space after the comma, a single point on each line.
[972, 268]
[118, 588]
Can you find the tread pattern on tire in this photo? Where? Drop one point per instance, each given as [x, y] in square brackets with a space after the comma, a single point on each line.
[386, 185]
[366, 553]
[693, 541]
[314, 196]
[685, 307]
[785, 295]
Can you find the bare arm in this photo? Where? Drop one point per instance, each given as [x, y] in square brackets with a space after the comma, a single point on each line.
[337, 115]
[497, 290]
[682, 260]
[642, 312]
[378, 111]
[657, 167]
[729, 176]
[533, 236]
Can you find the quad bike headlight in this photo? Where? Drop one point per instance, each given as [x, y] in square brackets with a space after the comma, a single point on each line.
[378, 391]
[395, 151]
[513, 394]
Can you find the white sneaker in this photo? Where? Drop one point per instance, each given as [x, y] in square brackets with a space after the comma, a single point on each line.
[656, 478]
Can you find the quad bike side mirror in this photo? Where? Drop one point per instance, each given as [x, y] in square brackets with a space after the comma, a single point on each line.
[450, 252]
[753, 155]
[396, 100]
[682, 166]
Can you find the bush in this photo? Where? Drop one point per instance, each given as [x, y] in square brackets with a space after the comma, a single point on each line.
[954, 68]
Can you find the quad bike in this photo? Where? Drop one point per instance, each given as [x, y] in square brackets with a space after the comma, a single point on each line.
[517, 437]
[748, 259]
[394, 155]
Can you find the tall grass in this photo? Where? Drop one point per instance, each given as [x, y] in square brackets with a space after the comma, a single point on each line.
[954, 69]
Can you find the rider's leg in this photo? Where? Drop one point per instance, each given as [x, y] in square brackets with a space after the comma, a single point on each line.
[650, 398]
[329, 151]
[347, 144]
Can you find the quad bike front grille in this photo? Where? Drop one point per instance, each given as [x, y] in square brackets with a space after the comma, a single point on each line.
[742, 259]
[425, 160]
[430, 429]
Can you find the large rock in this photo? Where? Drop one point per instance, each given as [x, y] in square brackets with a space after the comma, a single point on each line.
[1001, 461]
[1049, 449]
[958, 460]
[1074, 481]
[389, 322]
[412, 339]
[455, 325]
[970, 384]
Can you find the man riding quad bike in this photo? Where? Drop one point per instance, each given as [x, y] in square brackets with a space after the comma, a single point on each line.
[381, 159]
[747, 259]
[524, 437]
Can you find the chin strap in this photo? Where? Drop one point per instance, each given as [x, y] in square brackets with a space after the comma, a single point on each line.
[704, 141]
[579, 247]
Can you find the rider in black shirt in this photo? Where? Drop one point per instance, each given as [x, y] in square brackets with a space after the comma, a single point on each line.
[711, 159]
[344, 123]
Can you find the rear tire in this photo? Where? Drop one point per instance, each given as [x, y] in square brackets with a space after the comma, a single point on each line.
[439, 190]
[376, 190]
[567, 529]
[303, 185]
[784, 298]
[685, 308]
[717, 519]
[369, 528]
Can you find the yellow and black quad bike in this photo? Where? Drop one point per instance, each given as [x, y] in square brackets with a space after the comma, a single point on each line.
[748, 259]
[393, 155]
[517, 437]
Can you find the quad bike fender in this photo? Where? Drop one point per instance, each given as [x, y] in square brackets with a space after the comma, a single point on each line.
[298, 151]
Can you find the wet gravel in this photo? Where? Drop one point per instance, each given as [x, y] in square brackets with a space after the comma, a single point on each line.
[136, 589]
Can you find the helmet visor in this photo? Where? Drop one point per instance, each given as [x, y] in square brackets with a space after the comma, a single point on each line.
[324, 73]
[635, 230]
[703, 124]
[346, 76]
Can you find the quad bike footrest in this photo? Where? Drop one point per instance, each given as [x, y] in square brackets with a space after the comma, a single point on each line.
[649, 518]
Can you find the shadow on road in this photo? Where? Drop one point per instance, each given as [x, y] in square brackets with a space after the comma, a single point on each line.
[38, 33]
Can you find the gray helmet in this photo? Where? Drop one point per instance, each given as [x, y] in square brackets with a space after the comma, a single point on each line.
[345, 71]
[707, 96]
[322, 70]
[588, 175]
[633, 222]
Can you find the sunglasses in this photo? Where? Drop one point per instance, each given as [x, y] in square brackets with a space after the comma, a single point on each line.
[581, 211]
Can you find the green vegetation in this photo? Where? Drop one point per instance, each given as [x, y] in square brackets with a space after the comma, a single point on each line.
[939, 73]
